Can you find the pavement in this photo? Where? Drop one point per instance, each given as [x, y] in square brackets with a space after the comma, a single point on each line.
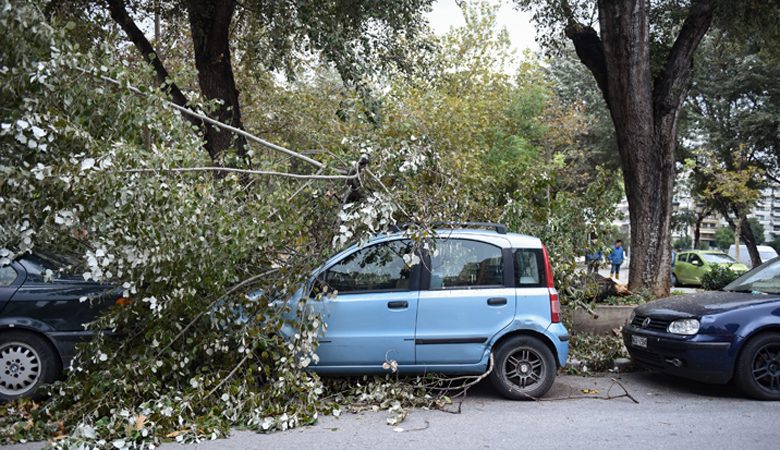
[671, 413]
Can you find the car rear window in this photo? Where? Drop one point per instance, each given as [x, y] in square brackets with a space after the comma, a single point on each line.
[460, 263]
[529, 267]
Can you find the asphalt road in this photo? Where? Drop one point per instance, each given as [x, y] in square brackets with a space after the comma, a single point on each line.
[671, 413]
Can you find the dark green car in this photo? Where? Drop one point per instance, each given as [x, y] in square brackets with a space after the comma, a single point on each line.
[690, 266]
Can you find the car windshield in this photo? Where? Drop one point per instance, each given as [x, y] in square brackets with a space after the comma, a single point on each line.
[764, 278]
[717, 258]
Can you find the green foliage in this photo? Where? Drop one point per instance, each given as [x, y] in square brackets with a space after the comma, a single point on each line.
[633, 299]
[775, 244]
[724, 237]
[758, 230]
[683, 243]
[594, 353]
[717, 278]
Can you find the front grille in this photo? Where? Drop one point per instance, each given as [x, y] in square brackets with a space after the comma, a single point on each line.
[655, 324]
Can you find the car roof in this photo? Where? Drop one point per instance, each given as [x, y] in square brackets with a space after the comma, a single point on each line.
[700, 252]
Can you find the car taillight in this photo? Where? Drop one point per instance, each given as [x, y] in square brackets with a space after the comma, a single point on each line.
[555, 307]
[123, 301]
[555, 303]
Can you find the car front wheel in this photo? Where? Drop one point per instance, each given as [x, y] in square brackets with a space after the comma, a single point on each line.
[27, 361]
[758, 367]
[524, 368]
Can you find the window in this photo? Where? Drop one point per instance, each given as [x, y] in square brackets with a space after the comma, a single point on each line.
[7, 276]
[457, 263]
[682, 257]
[529, 264]
[380, 267]
[718, 258]
[696, 260]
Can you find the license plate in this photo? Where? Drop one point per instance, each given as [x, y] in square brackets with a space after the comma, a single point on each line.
[639, 341]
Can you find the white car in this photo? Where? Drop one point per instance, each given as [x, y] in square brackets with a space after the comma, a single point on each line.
[766, 252]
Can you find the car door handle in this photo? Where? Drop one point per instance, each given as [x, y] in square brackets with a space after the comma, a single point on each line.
[496, 301]
[398, 304]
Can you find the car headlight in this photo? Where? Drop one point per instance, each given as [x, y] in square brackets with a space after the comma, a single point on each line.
[631, 317]
[687, 327]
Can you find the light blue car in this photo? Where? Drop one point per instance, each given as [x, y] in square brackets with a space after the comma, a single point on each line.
[446, 309]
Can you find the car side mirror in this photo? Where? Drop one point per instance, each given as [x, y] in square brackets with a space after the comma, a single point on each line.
[697, 263]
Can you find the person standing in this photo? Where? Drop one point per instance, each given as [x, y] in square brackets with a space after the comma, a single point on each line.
[616, 257]
[593, 260]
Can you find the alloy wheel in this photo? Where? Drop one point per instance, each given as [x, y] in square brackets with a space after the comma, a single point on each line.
[766, 367]
[524, 369]
[20, 368]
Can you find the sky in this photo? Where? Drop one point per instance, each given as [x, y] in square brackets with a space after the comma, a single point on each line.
[446, 14]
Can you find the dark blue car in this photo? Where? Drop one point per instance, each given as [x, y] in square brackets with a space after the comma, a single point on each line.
[43, 310]
[715, 337]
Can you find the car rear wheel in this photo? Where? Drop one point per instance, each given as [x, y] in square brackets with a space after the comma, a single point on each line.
[758, 367]
[27, 362]
[524, 368]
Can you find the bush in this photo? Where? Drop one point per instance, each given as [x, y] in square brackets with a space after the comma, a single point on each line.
[590, 353]
[717, 278]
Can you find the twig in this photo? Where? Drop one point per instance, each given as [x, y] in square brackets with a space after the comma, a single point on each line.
[230, 375]
[246, 171]
[200, 314]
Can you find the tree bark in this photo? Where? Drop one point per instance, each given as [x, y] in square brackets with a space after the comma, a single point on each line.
[118, 11]
[119, 14]
[746, 233]
[210, 26]
[697, 231]
[645, 115]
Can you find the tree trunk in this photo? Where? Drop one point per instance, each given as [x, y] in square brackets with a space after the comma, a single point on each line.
[746, 233]
[645, 113]
[646, 152]
[697, 230]
[210, 26]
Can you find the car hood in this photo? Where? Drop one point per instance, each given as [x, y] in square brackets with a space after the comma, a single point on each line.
[703, 303]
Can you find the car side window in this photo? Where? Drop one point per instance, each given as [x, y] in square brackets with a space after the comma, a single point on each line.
[528, 268]
[7, 276]
[457, 263]
[683, 257]
[695, 259]
[382, 267]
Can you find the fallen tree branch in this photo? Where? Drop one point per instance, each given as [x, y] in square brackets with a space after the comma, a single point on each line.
[214, 122]
[238, 286]
[245, 171]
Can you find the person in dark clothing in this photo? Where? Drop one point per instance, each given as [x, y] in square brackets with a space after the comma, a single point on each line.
[593, 260]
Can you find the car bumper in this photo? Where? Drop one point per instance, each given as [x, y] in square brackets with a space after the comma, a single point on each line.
[65, 342]
[699, 358]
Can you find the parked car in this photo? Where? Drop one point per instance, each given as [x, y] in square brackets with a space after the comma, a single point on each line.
[764, 251]
[42, 319]
[715, 336]
[472, 294]
[690, 266]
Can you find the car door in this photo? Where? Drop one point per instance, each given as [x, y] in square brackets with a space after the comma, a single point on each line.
[467, 298]
[11, 277]
[697, 268]
[371, 317]
[681, 268]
